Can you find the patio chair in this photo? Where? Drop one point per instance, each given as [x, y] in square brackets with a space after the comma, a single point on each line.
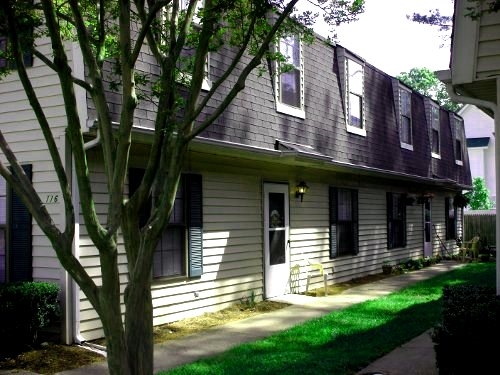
[316, 270]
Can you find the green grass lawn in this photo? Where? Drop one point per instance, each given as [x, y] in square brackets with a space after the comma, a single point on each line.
[345, 341]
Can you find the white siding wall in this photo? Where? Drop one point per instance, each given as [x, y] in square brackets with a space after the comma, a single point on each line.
[309, 235]
[233, 243]
[488, 57]
[232, 254]
[232, 251]
[20, 127]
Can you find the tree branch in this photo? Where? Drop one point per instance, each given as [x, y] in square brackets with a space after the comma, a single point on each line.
[240, 83]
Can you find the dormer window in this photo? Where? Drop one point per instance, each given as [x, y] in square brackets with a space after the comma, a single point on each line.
[405, 120]
[435, 132]
[459, 131]
[186, 60]
[355, 97]
[290, 80]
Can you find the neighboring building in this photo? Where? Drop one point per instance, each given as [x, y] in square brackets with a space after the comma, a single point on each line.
[480, 134]
[382, 164]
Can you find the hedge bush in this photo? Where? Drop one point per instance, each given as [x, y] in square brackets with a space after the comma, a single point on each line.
[464, 342]
[25, 308]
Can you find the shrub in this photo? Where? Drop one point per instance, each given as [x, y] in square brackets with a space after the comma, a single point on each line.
[470, 324]
[25, 308]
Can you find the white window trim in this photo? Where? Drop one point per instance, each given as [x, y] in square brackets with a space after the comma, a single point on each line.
[285, 108]
[438, 128]
[404, 145]
[350, 128]
[207, 83]
[356, 130]
[458, 133]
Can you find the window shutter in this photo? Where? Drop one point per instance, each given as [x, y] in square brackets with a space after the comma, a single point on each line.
[389, 219]
[193, 186]
[20, 240]
[355, 233]
[333, 222]
[135, 176]
[402, 207]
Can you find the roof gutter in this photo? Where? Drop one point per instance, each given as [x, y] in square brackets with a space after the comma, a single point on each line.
[77, 336]
[319, 160]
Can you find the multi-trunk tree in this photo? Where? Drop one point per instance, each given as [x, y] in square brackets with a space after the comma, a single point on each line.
[111, 35]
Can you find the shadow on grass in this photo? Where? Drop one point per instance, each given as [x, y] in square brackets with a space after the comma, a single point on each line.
[344, 341]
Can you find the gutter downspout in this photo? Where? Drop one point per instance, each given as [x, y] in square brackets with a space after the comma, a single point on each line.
[494, 107]
[77, 336]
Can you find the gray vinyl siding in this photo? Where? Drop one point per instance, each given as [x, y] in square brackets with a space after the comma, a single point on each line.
[232, 251]
[488, 54]
[232, 254]
[20, 127]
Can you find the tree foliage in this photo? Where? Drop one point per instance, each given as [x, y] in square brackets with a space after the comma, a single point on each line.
[113, 36]
[424, 81]
[479, 196]
[433, 18]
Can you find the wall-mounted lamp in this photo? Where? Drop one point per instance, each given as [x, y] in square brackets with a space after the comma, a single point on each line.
[300, 190]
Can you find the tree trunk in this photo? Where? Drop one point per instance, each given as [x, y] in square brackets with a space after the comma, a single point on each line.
[139, 329]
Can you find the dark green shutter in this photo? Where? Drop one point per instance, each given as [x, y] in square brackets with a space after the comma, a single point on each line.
[389, 220]
[333, 222]
[355, 230]
[402, 207]
[20, 240]
[194, 194]
[135, 176]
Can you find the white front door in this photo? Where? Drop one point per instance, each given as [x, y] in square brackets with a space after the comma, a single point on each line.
[276, 250]
[427, 229]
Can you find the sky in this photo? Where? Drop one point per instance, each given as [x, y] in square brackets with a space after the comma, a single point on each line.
[386, 39]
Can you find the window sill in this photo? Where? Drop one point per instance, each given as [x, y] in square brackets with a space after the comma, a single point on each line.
[289, 110]
[355, 130]
[407, 146]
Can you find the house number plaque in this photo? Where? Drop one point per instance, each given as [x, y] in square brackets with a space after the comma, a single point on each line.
[52, 199]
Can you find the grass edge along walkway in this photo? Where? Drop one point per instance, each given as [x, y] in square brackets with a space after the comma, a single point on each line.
[347, 340]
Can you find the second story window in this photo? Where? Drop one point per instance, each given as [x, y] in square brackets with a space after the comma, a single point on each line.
[459, 131]
[290, 80]
[405, 131]
[355, 97]
[6, 60]
[185, 64]
[435, 132]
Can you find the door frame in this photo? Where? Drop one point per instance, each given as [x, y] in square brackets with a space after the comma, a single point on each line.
[427, 227]
[276, 277]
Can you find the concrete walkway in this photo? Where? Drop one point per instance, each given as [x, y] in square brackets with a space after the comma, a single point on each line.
[414, 358]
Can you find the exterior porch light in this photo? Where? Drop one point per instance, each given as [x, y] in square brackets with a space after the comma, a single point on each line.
[300, 190]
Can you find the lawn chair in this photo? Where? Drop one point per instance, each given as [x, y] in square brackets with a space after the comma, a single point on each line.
[471, 247]
[316, 270]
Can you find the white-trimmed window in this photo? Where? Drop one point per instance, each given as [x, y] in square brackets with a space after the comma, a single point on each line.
[186, 60]
[405, 123]
[459, 144]
[355, 98]
[290, 80]
[435, 132]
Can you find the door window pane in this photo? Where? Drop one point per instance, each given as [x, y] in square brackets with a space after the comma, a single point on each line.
[277, 247]
[277, 229]
[276, 210]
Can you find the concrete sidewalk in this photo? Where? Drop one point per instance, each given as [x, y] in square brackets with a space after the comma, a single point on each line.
[415, 357]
